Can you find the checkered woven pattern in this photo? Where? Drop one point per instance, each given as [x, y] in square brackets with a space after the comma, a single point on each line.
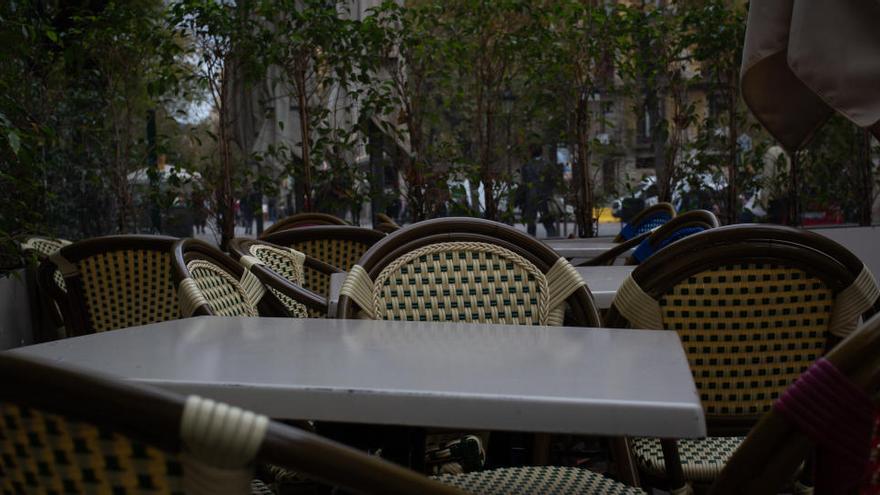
[536, 480]
[286, 265]
[222, 291]
[341, 253]
[128, 288]
[462, 281]
[43, 246]
[49, 454]
[701, 460]
[58, 278]
[748, 331]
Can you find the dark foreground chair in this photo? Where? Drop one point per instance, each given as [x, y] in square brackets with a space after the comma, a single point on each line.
[754, 306]
[775, 449]
[68, 430]
[112, 282]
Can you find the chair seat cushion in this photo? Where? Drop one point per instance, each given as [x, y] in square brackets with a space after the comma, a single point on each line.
[535, 479]
[701, 459]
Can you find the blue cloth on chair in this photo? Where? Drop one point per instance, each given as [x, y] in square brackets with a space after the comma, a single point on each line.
[647, 224]
[645, 250]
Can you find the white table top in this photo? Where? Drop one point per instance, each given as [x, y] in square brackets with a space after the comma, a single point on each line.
[550, 379]
[604, 281]
[579, 250]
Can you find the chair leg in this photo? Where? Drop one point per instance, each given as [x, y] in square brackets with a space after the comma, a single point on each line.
[625, 468]
[672, 460]
[541, 449]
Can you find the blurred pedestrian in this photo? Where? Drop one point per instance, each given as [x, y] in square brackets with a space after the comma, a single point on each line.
[527, 195]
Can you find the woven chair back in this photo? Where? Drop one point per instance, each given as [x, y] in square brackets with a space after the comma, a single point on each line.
[775, 448]
[646, 220]
[112, 282]
[212, 283]
[463, 269]
[754, 307]
[338, 246]
[67, 430]
[299, 220]
[282, 271]
[43, 246]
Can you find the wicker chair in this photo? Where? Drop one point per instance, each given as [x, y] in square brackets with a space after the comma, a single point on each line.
[465, 269]
[111, 282]
[212, 283]
[338, 246]
[387, 227]
[385, 224]
[67, 430]
[650, 242]
[754, 306]
[646, 220]
[299, 220]
[45, 313]
[42, 246]
[774, 451]
[281, 270]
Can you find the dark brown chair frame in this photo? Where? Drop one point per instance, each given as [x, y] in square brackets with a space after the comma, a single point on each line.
[298, 220]
[153, 416]
[186, 250]
[239, 247]
[73, 302]
[463, 229]
[651, 210]
[811, 252]
[774, 450]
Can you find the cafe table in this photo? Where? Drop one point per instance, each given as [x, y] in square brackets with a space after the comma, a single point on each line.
[581, 250]
[453, 375]
[604, 281]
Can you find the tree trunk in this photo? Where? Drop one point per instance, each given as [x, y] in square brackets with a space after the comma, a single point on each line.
[486, 174]
[733, 149]
[305, 145]
[659, 142]
[584, 191]
[225, 195]
[794, 216]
